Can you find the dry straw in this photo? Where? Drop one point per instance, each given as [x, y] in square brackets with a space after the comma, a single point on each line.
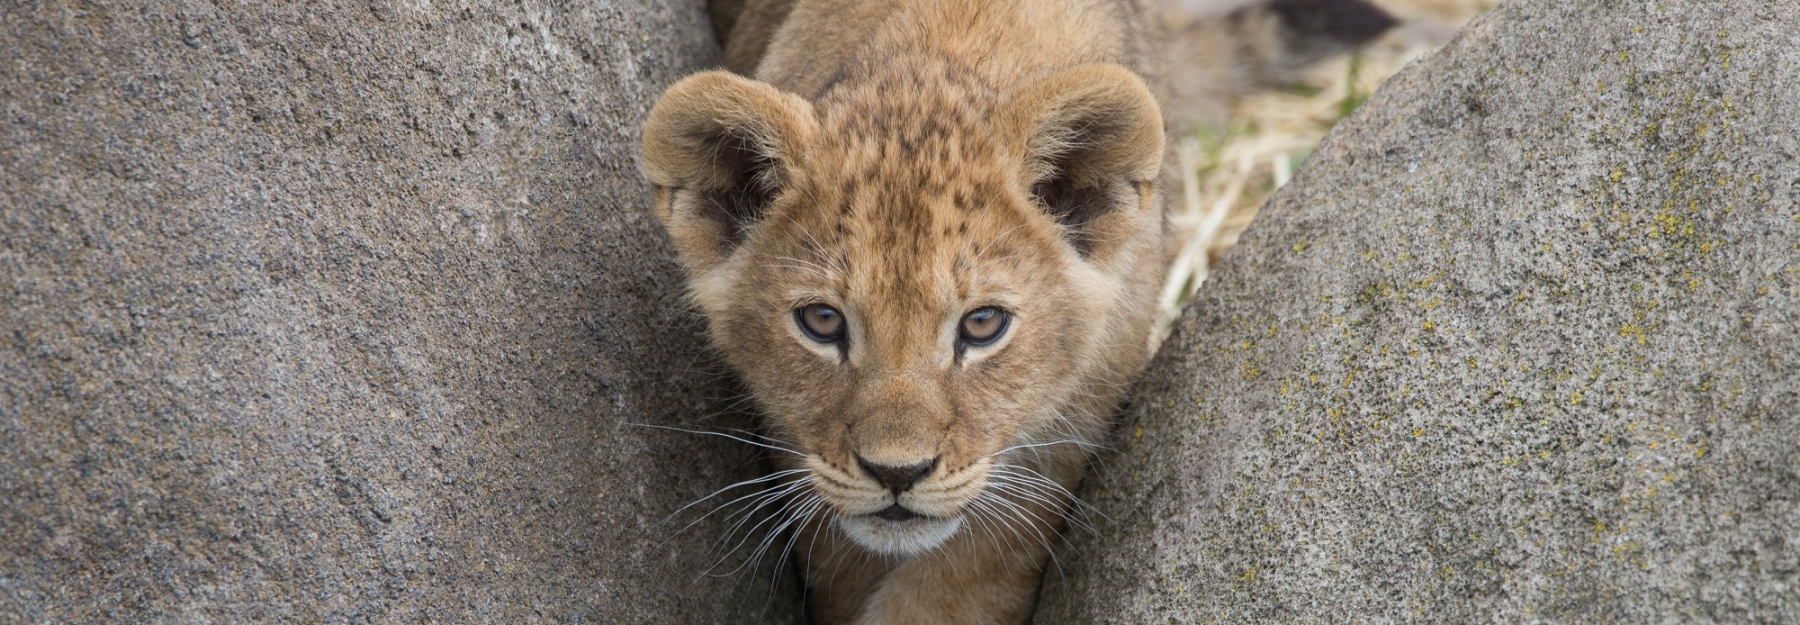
[1229, 172]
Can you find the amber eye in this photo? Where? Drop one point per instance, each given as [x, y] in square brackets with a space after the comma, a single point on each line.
[820, 322]
[983, 326]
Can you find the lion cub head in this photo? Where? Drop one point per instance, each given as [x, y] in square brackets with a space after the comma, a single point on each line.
[927, 284]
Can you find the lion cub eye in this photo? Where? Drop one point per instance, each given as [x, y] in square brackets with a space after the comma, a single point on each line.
[983, 326]
[820, 322]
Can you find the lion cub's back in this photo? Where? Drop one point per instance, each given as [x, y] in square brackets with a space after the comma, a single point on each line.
[803, 45]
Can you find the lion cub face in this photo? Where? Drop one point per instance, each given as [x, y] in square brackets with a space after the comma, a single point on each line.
[914, 282]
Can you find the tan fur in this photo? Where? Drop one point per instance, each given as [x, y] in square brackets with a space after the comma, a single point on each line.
[907, 163]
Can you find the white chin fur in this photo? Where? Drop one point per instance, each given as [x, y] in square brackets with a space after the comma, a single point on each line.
[900, 538]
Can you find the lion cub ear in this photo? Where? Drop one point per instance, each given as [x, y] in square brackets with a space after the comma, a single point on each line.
[1092, 136]
[720, 148]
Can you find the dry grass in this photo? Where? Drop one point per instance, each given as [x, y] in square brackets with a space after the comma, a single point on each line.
[1230, 172]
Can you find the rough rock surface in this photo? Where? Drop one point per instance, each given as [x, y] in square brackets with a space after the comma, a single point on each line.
[338, 312]
[1521, 343]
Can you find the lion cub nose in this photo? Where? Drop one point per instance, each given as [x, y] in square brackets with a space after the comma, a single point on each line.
[897, 478]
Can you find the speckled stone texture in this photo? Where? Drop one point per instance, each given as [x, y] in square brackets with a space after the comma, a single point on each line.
[337, 312]
[1521, 343]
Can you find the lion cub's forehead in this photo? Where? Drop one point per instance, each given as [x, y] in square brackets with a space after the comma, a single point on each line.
[905, 227]
[911, 198]
[918, 243]
[914, 132]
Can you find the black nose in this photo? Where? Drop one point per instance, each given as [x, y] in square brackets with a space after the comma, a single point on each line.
[897, 478]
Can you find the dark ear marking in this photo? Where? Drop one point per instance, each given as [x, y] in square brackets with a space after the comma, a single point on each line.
[753, 184]
[1072, 206]
[724, 146]
[1090, 134]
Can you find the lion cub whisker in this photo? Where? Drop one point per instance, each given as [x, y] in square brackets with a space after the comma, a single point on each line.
[1014, 517]
[800, 513]
[767, 497]
[772, 476]
[747, 514]
[1035, 494]
[1066, 441]
[1082, 507]
[774, 444]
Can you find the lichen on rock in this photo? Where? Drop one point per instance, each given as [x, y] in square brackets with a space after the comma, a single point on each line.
[1521, 341]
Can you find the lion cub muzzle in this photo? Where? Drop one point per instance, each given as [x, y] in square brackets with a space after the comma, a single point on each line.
[904, 484]
[896, 509]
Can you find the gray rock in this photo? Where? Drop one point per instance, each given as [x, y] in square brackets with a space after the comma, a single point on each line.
[338, 312]
[1521, 343]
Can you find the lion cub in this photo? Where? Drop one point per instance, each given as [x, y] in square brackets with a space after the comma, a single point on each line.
[929, 236]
